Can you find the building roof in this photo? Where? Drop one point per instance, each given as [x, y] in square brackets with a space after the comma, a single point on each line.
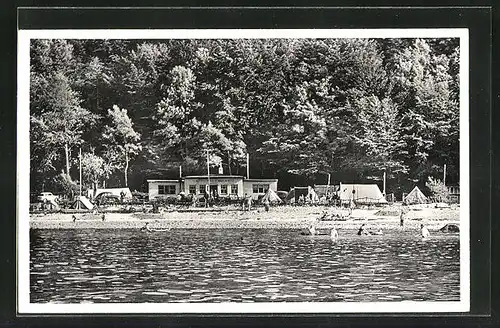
[262, 180]
[162, 180]
[213, 176]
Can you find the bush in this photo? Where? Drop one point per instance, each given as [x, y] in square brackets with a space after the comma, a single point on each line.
[438, 190]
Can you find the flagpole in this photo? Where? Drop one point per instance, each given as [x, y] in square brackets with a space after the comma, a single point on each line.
[444, 174]
[248, 166]
[80, 186]
[80, 156]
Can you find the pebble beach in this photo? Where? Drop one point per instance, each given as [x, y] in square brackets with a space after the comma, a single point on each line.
[283, 217]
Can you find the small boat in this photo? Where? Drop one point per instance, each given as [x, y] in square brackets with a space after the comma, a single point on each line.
[154, 230]
[318, 233]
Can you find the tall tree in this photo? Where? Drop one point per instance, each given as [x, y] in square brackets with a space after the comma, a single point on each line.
[122, 141]
[62, 122]
[429, 110]
[95, 169]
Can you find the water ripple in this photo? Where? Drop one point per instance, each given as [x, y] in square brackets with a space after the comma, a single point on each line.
[102, 266]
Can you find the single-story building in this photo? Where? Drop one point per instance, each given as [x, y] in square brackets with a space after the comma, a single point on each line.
[234, 186]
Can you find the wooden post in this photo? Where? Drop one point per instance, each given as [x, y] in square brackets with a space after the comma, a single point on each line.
[444, 175]
[248, 166]
[384, 184]
[208, 173]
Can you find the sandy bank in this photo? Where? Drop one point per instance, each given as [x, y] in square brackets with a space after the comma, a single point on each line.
[277, 218]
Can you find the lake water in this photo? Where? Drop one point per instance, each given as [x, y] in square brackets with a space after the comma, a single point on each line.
[240, 265]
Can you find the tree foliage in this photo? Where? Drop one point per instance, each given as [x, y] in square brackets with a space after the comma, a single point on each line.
[350, 107]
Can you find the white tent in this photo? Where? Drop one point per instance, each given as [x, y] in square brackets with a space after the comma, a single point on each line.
[83, 203]
[361, 194]
[272, 197]
[415, 197]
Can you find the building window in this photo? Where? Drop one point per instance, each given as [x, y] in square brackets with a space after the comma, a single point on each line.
[192, 189]
[223, 189]
[260, 188]
[166, 190]
[234, 189]
[202, 189]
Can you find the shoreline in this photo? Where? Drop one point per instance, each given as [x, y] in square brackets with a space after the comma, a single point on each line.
[277, 218]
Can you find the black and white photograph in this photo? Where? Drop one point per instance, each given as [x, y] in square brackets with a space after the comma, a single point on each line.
[254, 171]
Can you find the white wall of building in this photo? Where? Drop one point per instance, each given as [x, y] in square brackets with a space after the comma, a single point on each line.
[154, 188]
[253, 187]
[258, 187]
[220, 182]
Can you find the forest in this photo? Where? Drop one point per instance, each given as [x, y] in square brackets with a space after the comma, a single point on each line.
[301, 109]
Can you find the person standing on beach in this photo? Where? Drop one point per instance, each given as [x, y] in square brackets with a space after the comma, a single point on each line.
[206, 196]
[267, 204]
[402, 219]
[249, 202]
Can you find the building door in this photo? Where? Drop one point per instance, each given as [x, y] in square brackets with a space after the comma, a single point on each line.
[213, 191]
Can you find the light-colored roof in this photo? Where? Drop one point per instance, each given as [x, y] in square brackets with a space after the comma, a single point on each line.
[162, 180]
[214, 176]
[263, 180]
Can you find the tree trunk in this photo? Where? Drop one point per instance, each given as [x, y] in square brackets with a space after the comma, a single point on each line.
[66, 153]
[126, 168]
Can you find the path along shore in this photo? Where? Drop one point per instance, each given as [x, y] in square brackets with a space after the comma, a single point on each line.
[284, 217]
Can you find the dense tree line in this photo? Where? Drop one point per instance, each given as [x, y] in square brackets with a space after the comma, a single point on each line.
[306, 107]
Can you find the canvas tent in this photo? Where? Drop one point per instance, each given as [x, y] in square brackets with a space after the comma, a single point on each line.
[415, 197]
[365, 194]
[325, 190]
[271, 196]
[83, 203]
[296, 192]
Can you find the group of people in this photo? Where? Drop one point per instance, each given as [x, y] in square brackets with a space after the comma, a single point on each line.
[363, 230]
[334, 234]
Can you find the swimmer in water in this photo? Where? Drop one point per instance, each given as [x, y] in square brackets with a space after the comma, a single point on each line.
[424, 231]
[362, 230]
[146, 227]
[312, 230]
[334, 234]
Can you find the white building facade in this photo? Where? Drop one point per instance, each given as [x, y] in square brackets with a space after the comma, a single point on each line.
[231, 186]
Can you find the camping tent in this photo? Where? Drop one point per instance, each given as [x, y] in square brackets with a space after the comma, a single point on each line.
[325, 190]
[361, 194]
[83, 202]
[415, 197]
[271, 196]
[296, 192]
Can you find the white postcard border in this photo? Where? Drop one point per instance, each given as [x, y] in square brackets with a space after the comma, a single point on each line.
[23, 180]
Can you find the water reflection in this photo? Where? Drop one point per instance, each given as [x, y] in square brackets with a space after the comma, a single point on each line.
[239, 266]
